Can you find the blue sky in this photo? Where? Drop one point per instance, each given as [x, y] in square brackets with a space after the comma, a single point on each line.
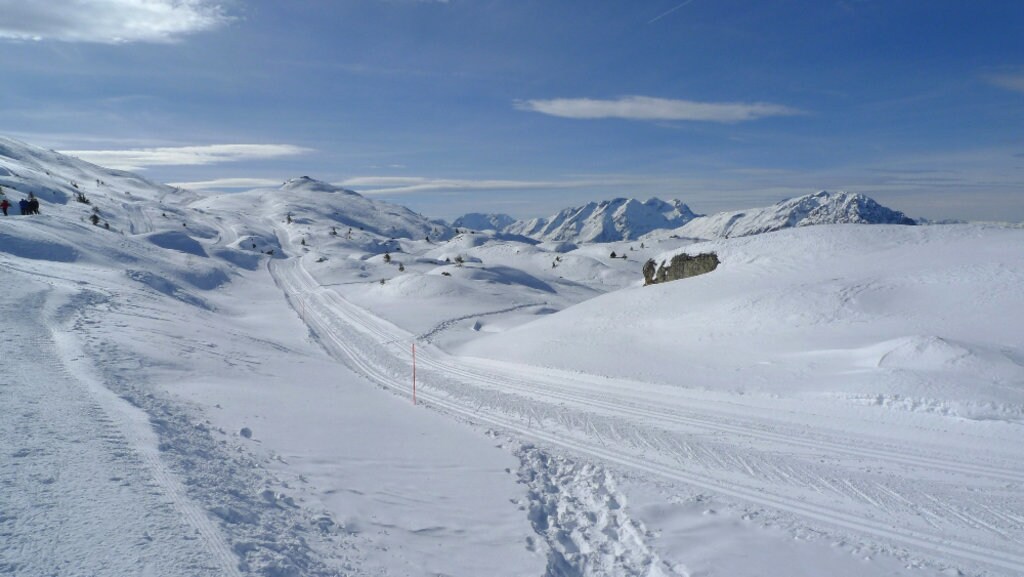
[530, 106]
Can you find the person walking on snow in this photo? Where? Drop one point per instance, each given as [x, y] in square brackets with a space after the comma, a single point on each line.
[33, 204]
[5, 205]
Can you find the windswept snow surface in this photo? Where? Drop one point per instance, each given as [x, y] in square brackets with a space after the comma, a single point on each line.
[209, 389]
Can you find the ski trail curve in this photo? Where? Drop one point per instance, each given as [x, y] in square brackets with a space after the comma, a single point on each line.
[508, 400]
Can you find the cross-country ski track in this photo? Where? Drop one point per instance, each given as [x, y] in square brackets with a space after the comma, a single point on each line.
[843, 482]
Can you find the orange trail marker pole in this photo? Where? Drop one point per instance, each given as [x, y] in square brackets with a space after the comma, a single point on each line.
[414, 373]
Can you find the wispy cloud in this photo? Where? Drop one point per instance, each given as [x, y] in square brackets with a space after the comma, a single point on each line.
[666, 13]
[648, 108]
[228, 184]
[108, 21]
[415, 184]
[138, 159]
[1009, 81]
[388, 185]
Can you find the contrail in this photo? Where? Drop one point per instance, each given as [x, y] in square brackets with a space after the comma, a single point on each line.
[656, 18]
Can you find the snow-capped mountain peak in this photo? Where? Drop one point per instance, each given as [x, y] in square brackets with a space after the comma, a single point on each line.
[823, 207]
[481, 221]
[306, 183]
[606, 221]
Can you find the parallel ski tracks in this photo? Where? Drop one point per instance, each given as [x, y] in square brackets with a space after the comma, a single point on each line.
[568, 390]
[333, 317]
[580, 391]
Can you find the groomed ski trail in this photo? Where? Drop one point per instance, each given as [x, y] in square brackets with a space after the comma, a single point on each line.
[572, 411]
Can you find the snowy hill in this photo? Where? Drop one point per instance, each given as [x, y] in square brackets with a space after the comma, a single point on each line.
[819, 208]
[75, 189]
[606, 221]
[862, 302]
[57, 178]
[308, 199]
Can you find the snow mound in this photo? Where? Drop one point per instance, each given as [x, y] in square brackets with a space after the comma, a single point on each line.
[167, 287]
[925, 353]
[177, 240]
[501, 275]
[37, 247]
[427, 286]
[243, 259]
[559, 246]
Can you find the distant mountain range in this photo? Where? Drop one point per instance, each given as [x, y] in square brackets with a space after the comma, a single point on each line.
[479, 221]
[606, 221]
[630, 219]
[822, 207]
[56, 178]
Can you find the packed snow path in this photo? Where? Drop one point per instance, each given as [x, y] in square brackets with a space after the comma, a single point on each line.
[950, 497]
[85, 490]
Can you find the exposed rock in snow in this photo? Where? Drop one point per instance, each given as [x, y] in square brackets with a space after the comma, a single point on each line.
[681, 266]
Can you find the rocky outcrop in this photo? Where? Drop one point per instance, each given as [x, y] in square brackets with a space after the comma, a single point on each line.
[681, 266]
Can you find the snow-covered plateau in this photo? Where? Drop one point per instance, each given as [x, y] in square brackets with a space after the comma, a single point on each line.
[303, 381]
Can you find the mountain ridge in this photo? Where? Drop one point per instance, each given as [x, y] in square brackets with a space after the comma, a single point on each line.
[606, 221]
[822, 207]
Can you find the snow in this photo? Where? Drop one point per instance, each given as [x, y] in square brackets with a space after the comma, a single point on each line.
[618, 219]
[822, 207]
[209, 389]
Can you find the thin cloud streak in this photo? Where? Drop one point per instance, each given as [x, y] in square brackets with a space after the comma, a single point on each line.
[108, 21]
[648, 108]
[138, 159]
[228, 184]
[656, 18]
[372, 185]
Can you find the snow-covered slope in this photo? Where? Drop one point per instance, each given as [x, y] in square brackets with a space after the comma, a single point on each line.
[310, 201]
[833, 400]
[606, 221]
[819, 208]
[58, 178]
[921, 317]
